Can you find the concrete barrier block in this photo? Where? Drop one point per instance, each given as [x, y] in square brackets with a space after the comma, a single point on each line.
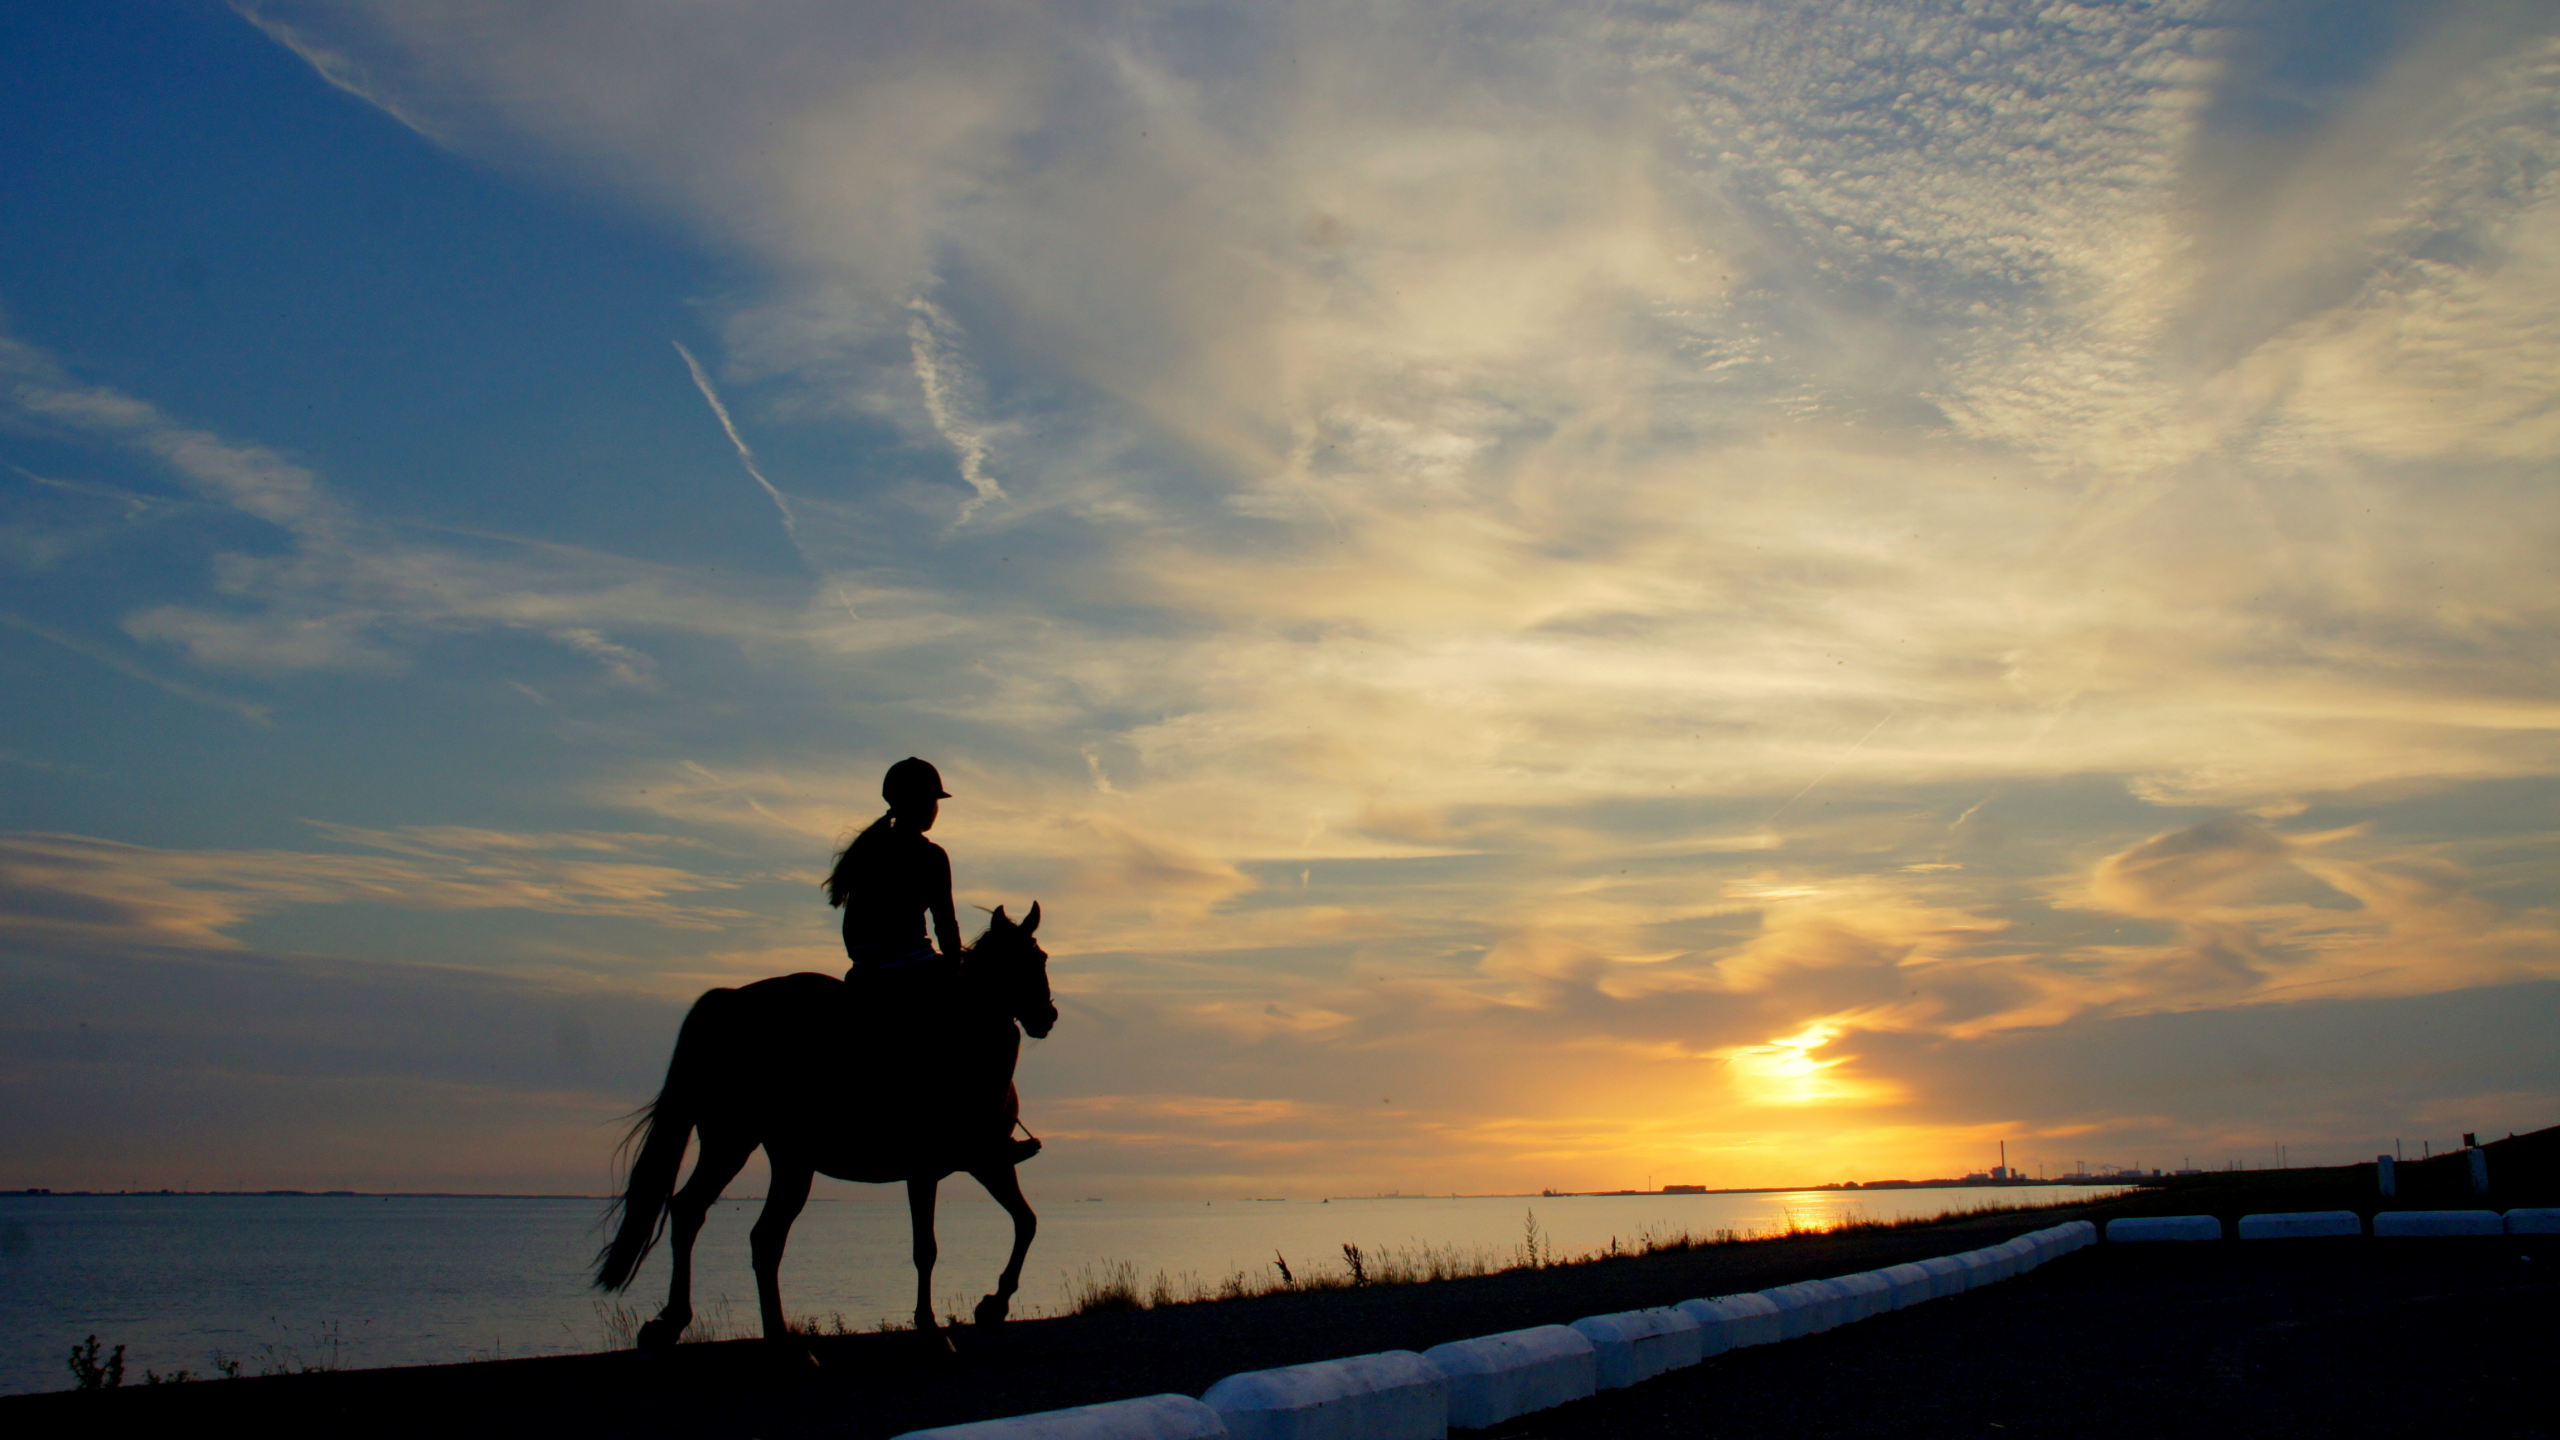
[2164, 1227]
[2533, 1222]
[2439, 1222]
[2300, 1225]
[1392, 1395]
[2087, 1232]
[1981, 1268]
[1807, 1307]
[1911, 1284]
[1947, 1276]
[1501, 1376]
[1157, 1417]
[1868, 1294]
[1742, 1319]
[1635, 1345]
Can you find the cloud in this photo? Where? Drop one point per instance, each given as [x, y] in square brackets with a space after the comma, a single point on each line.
[1549, 520]
[254, 714]
[98, 895]
[943, 374]
[350, 593]
[746, 456]
[2223, 856]
[246, 1069]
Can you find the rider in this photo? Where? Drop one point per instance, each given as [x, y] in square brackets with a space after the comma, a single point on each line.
[887, 881]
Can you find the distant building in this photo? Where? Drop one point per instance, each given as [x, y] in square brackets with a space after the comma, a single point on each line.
[1684, 1189]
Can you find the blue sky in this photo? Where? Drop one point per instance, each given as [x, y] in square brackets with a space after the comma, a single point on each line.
[1544, 593]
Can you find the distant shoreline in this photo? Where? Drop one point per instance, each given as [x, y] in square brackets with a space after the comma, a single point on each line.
[292, 1194]
[1896, 1186]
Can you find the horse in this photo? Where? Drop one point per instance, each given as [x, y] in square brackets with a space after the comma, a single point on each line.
[766, 1065]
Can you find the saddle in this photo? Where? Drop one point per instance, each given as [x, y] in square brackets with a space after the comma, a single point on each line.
[900, 1055]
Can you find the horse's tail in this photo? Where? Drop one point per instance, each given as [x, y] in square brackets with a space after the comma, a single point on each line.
[656, 1145]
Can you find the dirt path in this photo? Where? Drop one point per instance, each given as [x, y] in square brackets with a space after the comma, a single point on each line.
[2329, 1338]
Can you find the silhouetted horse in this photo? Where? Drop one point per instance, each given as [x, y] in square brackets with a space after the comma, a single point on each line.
[895, 1076]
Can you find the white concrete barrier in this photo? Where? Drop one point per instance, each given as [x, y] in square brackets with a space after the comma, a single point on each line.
[2533, 1222]
[1808, 1307]
[1157, 1417]
[2439, 1222]
[1911, 1284]
[1501, 1376]
[1392, 1395]
[1740, 1320]
[2023, 1252]
[2164, 1227]
[1947, 1276]
[1635, 1345]
[1981, 1267]
[1869, 1294]
[2086, 1233]
[2300, 1225]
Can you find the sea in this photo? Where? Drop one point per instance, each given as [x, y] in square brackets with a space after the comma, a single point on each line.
[288, 1282]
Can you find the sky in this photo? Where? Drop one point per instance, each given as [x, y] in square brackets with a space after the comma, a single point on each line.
[1547, 595]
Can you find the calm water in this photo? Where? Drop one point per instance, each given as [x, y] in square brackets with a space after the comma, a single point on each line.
[417, 1281]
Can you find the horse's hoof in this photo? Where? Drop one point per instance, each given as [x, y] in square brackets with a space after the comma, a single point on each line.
[658, 1336]
[935, 1342]
[990, 1312]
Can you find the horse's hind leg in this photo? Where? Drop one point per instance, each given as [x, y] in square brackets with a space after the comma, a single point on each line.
[1006, 1187]
[718, 1162]
[783, 1198]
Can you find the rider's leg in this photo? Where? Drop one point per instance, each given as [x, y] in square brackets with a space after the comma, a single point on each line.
[1008, 1151]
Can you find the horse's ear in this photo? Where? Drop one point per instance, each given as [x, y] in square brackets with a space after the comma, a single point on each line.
[1001, 922]
[1031, 921]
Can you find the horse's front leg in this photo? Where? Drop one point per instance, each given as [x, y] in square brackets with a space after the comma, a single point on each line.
[920, 1196]
[783, 1198]
[1006, 1187]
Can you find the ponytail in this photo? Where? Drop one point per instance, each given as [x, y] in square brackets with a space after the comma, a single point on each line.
[840, 880]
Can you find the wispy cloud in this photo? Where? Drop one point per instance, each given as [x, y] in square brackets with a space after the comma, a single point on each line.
[97, 894]
[729, 427]
[254, 714]
[942, 372]
[334, 66]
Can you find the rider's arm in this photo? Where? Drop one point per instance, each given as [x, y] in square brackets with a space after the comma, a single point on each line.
[946, 919]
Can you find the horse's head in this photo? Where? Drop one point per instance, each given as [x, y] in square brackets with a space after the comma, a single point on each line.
[1014, 970]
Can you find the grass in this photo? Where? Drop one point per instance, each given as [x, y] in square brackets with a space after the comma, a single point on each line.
[282, 1356]
[717, 1322]
[1117, 1286]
